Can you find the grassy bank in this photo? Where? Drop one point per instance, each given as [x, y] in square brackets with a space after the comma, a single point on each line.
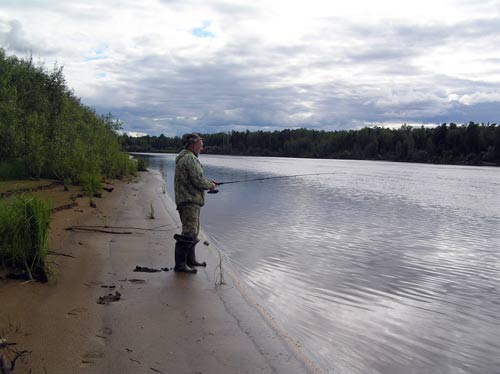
[46, 132]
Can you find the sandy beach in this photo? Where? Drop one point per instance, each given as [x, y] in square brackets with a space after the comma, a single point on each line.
[162, 322]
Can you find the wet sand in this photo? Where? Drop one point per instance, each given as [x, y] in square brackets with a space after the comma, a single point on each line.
[163, 322]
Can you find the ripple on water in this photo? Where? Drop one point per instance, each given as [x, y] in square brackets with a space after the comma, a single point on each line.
[379, 268]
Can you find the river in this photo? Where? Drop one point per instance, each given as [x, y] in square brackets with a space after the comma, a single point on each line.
[375, 267]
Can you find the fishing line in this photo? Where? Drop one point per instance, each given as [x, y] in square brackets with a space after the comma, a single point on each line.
[280, 176]
[266, 178]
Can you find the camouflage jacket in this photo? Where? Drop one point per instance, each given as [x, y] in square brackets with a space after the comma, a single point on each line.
[189, 181]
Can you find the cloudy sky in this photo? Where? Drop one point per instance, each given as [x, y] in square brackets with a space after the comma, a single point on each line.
[172, 66]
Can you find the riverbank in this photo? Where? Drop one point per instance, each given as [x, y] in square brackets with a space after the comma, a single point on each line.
[162, 322]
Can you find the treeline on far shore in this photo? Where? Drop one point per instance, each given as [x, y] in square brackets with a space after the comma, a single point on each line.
[46, 132]
[471, 144]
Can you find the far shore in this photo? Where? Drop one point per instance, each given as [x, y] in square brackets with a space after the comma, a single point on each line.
[475, 163]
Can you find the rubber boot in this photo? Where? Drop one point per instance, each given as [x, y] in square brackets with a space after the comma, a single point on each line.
[191, 258]
[181, 252]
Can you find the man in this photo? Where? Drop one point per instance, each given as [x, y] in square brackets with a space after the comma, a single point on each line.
[190, 186]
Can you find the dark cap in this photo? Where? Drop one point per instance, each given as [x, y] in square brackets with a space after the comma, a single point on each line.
[188, 139]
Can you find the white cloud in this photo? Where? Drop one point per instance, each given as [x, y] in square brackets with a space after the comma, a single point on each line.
[172, 66]
[476, 98]
[134, 134]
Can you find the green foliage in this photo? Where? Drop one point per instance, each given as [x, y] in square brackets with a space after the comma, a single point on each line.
[91, 185]
[123, 166]
[467, 144]
[24, 227]
[142, 165]
[44, 127]
[12, 170]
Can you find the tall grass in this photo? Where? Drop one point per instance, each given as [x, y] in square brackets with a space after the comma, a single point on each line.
[24, 230]
[91, 184]
[151, 214]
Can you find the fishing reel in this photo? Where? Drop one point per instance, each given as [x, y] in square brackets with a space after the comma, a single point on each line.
[214, 190]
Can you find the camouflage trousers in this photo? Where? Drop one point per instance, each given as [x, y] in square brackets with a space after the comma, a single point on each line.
[190, 218]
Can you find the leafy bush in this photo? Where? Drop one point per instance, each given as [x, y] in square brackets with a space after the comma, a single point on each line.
[12, 170]
[122, 166]
[45, 131]
[142, 165]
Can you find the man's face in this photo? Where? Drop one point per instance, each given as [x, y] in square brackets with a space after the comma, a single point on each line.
[197, 146]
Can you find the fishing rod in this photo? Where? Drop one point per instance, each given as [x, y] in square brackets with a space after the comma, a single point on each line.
[266, 178]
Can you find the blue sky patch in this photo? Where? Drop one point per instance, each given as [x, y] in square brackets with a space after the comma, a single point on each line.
[98, 54]
[101, 75]
[202, 32]
[94, 58]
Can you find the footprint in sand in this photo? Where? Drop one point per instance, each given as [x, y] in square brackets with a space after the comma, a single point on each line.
[76, 312]
[91, 357]
[103, 335]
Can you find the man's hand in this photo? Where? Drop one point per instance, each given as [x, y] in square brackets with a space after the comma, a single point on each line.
[214, 184]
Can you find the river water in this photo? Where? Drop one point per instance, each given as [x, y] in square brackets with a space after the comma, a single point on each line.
[376, 267]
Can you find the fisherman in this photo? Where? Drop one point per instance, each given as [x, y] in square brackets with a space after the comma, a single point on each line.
[190, 186]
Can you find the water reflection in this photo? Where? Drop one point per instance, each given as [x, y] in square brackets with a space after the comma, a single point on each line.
[379, 268]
